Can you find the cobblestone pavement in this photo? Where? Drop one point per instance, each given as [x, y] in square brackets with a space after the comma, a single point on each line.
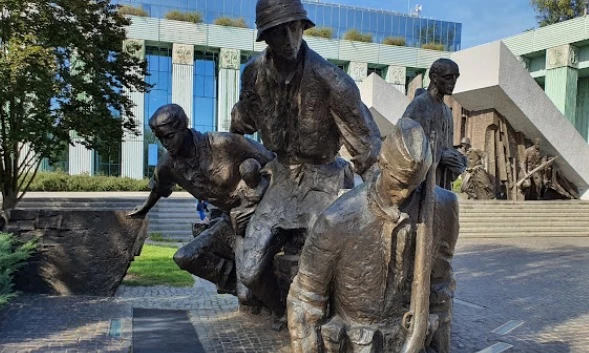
[540, 283]
[45, 324]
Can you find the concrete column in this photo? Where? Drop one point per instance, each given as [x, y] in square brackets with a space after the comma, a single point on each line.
[229, 81]
[183, 78]
[132, 149]
[397, 76]
[81, 159]
[426, 79]
[562, 77]
[358, 71]
[582, 116]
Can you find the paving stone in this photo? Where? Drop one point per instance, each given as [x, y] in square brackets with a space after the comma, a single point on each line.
[541, 281]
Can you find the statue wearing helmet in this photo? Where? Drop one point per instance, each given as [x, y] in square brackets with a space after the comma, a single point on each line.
[304, 109]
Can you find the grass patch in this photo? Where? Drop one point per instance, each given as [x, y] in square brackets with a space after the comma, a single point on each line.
[433, 46]
[160, 237]
[156, 267]
[190, 16]
[398, 41]
[132, 10]
[356, 36]
[322, 32]
[231, 22]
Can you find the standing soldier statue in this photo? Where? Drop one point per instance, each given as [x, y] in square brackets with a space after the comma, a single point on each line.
[304, 108]
[429, 109]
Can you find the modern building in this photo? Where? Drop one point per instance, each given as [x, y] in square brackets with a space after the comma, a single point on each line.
[198, 66]
[557, 57]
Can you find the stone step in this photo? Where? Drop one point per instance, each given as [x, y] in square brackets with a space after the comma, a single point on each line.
[526, 220]
[510, 229]
[491, 234]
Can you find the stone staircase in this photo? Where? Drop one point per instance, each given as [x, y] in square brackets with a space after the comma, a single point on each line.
[171, 217]
[497, 219]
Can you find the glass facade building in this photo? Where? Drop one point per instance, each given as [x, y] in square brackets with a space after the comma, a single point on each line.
[341, 18]
[208, 91]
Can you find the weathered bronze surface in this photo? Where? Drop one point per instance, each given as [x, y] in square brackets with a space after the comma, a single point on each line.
[222, 168]
[303, 108]
[356, 271]
[475, 180]
[429, 109]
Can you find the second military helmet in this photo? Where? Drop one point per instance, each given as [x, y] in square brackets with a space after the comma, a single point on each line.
[271, 13]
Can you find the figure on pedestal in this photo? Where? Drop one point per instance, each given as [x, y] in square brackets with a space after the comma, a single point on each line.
[356, 271]
[208, 166]
[303, 108]
[475, 180]
[533, 159]
[429, 109]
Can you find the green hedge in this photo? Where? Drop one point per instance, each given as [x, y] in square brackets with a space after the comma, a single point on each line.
[398, 41]
[231, 22]
[194, 17]
[433, 46]
[12, 257]
[322, 32]
[133, 11]
[357, 36]
[60, 181]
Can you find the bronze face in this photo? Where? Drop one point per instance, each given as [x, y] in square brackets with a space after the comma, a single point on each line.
[172, 139]
[285, 39]
[445, 79]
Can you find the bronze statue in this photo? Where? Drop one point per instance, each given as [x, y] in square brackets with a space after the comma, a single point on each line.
[429, 109]
[475, 180]
[533, 159]
[210, 166]
[356, 289]
[303, 108]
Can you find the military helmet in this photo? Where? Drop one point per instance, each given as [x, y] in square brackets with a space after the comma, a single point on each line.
[406, 153]
[271, 13]
[465, 141]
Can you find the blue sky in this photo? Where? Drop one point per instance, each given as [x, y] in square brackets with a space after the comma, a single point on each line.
[482, 21]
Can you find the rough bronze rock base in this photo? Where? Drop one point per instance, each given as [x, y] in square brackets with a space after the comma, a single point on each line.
[79, 252]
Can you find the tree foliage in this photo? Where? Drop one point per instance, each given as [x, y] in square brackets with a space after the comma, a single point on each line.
[63, 70]
[12, 257]
[555, 11]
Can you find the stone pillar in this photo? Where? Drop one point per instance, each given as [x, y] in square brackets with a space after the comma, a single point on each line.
[132, 149]
[81, 159]
[229, 81]
[183, 78]
[426, 79]
[561, 78]
[582, 116]
[358, 71]
[397, 76]
[414, 85]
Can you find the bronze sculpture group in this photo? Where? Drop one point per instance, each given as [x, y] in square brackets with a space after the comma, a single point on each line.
[374, 272]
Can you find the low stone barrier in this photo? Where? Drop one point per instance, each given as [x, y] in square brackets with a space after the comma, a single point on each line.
[79, 252]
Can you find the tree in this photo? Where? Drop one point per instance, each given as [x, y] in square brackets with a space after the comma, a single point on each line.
[555, 11]
[64, 75]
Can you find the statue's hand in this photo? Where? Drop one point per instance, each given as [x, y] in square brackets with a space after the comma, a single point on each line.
[137, 213]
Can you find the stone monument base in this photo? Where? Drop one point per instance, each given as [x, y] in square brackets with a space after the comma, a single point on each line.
[79, 252]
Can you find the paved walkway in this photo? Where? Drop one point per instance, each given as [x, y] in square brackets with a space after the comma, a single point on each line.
[538, 287]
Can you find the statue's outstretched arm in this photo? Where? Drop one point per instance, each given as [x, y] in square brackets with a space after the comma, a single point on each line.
[142, 210]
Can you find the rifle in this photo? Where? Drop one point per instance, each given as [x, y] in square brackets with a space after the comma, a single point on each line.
[539, 168]
[416, 320]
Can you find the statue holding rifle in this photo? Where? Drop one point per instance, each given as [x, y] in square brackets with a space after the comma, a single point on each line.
[367, 279]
